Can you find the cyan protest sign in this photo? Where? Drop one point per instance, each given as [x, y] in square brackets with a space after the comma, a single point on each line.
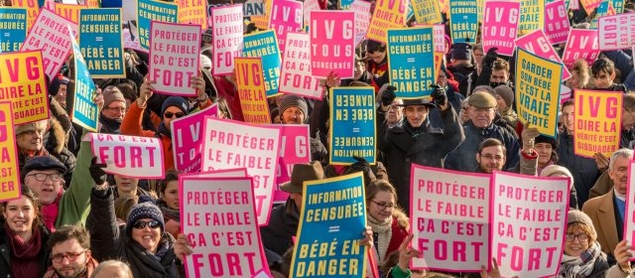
[352, 125]
[332, 220]
[101, 42]
[14, 22]
[265, 45]
[411, 61]
[147, 11]
[85, 112]
[463, 21]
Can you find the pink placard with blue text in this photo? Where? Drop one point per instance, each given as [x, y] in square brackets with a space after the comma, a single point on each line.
[187, 139]
[285, 17]
[537, 43]
[332, 43]
[556, 22]
[500, 26]
[130, 156]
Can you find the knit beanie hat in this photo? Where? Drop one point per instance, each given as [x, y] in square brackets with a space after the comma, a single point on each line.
[111, 94]
[506, 93]
[576, 216]
[461, 51]
[179, 102]
[144, 210]
[553, 170]
[293, 101]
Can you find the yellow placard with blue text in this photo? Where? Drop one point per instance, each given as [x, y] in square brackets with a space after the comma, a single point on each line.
[250, 84]
[427, 11]
[388, 14]
[22, 81]
[597, 120]
[352, 122]
[532, 16]
[9, 164]
[538, 91]
[332, 221]
[101, 42]
[193, 12]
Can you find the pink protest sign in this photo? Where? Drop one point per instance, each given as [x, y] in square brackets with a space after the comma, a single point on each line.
[629, 214]
[581, 44]
[285, 17]
[295, 77]
[187, 139]
[227, 38]
[332, 43]
[130, 156]
[449, 203]
[50, 34]
[616, 31]
[174, 57]
[500, 25]
[362, 12]
[294, 149]
[308, 6]
[219, 219]
[528, 218]
[226, 173]
[231, 144]
[556, 22]
[537, 43]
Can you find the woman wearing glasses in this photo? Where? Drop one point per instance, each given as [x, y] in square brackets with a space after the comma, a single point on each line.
[390, 225]
[23, 249]
[583, 255]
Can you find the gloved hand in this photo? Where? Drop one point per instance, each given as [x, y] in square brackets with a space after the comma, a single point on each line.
[439, 97]
[490, 57]
[97, 171]
[529, 135]
[388, 95]
[362, 166]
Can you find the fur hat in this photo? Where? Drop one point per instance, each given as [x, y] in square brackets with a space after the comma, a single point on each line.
[179, 102]
[111, 94]
[506, 93]
[289, 101]
[32, 126]
[576, 216]
[301, 173]
[144, 210]
[461, 51]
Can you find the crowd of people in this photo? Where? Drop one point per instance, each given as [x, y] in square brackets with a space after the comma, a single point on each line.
[74, 220]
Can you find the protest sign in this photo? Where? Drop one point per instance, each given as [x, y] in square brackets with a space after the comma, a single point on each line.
[388, 14]
[228, 37]
[187, 139]
[616, 31]
[95, 4]
[411, 61]
[9, 164]
[443, 203]
[85, 111]
[286, 16]
[253, 7]
[527, 216]
[193, 12]
[597, 122]
[307, 7]
[250, 87]
[332, 217]
[499, 26]
[174, 57]
[262, 21]
[226, 173]
[581, 44]
[32, 10]
[231, 144]
[589, 5]
[14, 22]
[352, 121]
[264, 45]
[538, 91]
[22, 82]
[565, 94]
[427, 11]
[556, 22]
[101, 42]
[618, 5]
[295, 77]
[362, 19]
[604, 9]
[332, 43]
[49, 34]
[532, 16]
[294, 149]
[130, 156]
[572, 5]
[537, 43]
[69, 11]
[219, 219]
[148, 11]
[463, 21]
[629, 212]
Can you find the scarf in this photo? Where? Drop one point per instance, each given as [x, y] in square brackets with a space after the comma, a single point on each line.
[51, 211]
[384, 234]
[162, 249]
[109, 125]
[90, 266]
[169, 213]
[415, 132]
[24, 254]
[582, 266]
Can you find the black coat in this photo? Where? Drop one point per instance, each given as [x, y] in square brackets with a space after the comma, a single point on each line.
[584, 170]
[5, 253]
[283, 225]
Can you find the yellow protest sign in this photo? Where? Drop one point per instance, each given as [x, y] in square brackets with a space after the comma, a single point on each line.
[22, 82]
[532, 16]
[69, 11]
[262, 21]
[538, 91]
[427, 11]
[193, 12]
[250, 83]
[9, 169]
[389, 14]
[597, 122]
[93, 3]
[32, 10]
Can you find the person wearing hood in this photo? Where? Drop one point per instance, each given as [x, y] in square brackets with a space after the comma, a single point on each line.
[113, 112]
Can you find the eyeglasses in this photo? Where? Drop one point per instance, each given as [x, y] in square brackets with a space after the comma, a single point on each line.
[42, 177]
[385, 205]
[170, 114]
[153, 224]
[58, 258]
[580, 237]
[120, 109]
[492, 157]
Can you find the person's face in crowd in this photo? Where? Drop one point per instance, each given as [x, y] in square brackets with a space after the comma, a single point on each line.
[478, 56]
[31, 141]
[111, 272]
[171, 113]
[442, 79]
[297, 199]
[45, 184]
[628, 118]
[60, 97]
[360, 67]
[69, 258]
[544, 152]
[395, 112]
[19, 215]
[464, 114]
[481, 117]
[293, 115]
[498, 77]
[126, 184]
[115, 110]
[381, 206]
[576, 241]
[377, 57]
[491, 158]
[567, 116]
[147, 236]
[619, 174]
[575, 81]
[416, 114]
[603, 80]
[500, 103]
[171, 194]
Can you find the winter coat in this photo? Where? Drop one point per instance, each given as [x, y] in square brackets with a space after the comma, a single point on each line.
[584, 170]
[400, 229]
[283, 225]
[5, 253]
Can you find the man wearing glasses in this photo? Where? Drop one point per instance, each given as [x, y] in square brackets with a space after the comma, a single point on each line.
[490, 156]
[70, 253]
[44, 176]
[113, 111]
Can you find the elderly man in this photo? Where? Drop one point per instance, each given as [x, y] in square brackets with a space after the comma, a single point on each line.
[70, 253]
[114, 109]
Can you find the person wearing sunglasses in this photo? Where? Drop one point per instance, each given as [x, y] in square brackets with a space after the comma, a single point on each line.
[70, 253]
[172, 108]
